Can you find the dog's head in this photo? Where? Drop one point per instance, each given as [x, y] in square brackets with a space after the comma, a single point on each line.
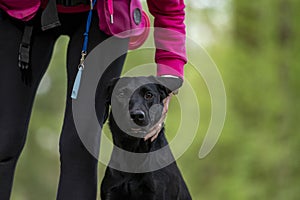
[137, 102]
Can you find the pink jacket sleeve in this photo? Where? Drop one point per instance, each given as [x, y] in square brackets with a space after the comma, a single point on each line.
[170, 53]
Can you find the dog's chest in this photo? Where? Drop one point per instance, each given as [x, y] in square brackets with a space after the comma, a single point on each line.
[153, 185]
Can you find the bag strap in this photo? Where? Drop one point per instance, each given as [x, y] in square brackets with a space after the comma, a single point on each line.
[49, 17]
[24, 55]
[24, 48]
[49, 20]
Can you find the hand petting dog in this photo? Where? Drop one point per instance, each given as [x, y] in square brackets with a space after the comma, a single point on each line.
[155, 130]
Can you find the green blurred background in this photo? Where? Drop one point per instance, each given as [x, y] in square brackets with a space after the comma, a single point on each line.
[255, 46]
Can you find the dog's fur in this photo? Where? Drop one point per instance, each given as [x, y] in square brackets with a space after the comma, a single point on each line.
[163, 184]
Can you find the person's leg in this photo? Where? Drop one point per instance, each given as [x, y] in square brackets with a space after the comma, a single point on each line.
[78, 178]
[16, 98]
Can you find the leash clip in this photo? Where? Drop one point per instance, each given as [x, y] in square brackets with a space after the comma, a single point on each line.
[81, 63]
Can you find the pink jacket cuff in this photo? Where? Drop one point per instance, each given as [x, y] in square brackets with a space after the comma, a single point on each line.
[174, 67]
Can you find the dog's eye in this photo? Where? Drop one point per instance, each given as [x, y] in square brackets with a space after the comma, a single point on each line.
[148, 95]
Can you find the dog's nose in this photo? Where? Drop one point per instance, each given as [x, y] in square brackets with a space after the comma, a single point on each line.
[138, 116]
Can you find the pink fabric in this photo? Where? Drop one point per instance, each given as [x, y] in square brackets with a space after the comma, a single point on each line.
[168, 14]
[23, 10]
[73, 9]
[170, 41]
[123, 25]
[67, 9]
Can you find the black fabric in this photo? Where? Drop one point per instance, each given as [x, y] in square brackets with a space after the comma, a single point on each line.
[78, 179]
[49, 17]
[72, 2]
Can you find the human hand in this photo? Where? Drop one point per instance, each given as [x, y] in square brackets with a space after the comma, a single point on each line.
[155, 130]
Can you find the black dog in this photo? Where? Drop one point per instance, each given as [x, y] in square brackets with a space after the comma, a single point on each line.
[125, 178]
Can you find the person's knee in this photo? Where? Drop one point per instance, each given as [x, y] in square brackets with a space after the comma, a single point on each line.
[70, 146]
[10, 146]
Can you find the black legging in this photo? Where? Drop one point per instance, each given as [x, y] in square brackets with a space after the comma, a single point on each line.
[78, 179]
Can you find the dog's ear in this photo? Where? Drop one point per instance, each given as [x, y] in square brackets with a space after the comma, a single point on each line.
[167, 85]
[163, 91]
[110, 88]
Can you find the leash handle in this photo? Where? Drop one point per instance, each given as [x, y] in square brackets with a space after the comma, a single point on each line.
[83, 52]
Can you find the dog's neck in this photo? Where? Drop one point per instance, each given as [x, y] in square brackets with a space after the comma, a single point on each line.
[135, 144]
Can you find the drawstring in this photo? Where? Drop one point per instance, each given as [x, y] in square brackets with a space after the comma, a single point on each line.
[83, 52]
[111, 10]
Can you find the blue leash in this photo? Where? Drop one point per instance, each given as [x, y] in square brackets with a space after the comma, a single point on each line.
[83, 52]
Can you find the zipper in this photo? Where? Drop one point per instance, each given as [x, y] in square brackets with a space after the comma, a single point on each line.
[111, 10]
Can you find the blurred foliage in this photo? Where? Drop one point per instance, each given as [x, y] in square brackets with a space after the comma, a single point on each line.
[255, 46]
